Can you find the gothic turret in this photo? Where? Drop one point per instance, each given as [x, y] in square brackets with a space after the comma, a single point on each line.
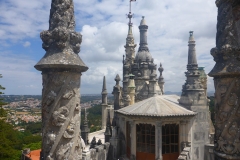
[129, 54]
[143, 51]
[193, 87]
[161, 79]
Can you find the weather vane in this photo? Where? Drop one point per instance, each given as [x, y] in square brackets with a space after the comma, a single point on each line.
[130, 15]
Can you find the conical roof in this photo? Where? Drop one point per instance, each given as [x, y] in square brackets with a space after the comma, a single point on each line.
[159, 106]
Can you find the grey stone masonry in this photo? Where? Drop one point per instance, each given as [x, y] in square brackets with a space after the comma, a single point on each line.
[61, 69]
[226, 73]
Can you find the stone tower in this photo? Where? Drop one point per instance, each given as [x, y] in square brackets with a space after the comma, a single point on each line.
[61, 69]
[143, 67]
[130, 56]
[104, 103]
[226, 73]
[194, 98]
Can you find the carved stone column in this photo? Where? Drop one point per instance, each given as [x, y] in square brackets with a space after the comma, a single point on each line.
[133, 138]
[158, 140]
[226, 73]
[61, 69]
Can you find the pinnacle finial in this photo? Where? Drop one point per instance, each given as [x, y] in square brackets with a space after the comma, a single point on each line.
[160, 69]
[191, 38]
[192, 59]
[143, 22]
[104, 88]
[117, 78]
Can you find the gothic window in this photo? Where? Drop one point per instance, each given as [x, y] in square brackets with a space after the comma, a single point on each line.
[145, 138]
[170, 138]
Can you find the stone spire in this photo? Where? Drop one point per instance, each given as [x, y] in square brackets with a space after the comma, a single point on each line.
[192, 59]
[130, 54]
[85, 129]
[193, 84]
[226, 73]
[143, 36]
[161, 79]
[108, 131]
[104, 92]
[194, 99]
[61, 69]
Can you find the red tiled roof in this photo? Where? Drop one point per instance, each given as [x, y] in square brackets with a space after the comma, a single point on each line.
[34, 155]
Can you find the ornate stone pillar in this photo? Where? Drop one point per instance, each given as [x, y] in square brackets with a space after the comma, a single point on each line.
[158, 140]
[133, 138]
[61, 69]
[226, 73]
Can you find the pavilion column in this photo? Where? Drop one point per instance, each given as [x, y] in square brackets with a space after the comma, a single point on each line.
[183, 133]
[133, 138]
[158, 141]
[61, 69]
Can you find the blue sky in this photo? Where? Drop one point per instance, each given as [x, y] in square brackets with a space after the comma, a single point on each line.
[103, 25]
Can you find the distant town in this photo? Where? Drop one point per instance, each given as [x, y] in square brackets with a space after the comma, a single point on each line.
[24, 109]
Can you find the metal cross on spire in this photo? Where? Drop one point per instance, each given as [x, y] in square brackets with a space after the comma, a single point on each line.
[130, 15]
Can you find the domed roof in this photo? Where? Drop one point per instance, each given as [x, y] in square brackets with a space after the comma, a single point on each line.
[143, 56]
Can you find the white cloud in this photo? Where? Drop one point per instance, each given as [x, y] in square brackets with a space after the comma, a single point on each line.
[27, 44]
[104, 29]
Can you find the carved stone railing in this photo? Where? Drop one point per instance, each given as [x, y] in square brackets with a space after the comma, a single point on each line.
[185, 154]
[99, 152]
